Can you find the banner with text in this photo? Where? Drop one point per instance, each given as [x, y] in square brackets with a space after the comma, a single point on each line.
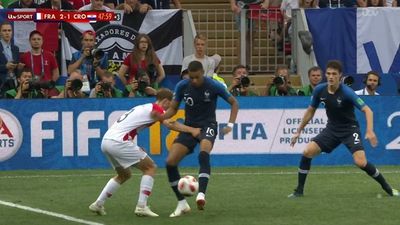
[55, 134]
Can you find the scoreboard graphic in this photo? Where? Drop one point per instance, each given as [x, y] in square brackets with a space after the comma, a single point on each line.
[63, 16]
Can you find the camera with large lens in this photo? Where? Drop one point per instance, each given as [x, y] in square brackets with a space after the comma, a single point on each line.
[37, 85]
[348, 80]
[97, 53]
[76, 85]
[105, 86]
[278, 80]
[244, 81]
[142, 84]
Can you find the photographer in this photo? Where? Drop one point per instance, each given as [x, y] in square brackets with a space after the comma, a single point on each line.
[140, 87]
[73, 86]
[92, 62]
[106, 88]
[281, 87]
[282, 71]
[241, 83]
[28, 88]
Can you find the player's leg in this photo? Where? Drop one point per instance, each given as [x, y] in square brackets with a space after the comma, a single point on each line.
[326, 141]
[204, 171]
[176, 154]
[312, 149]
[207, 139]
[148, 168]
[361, 161]
[354, 144]
[121, 155]
[109, 189]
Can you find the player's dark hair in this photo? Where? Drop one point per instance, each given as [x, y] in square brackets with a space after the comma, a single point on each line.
[195, 66]
[164, 93]
[335, 64]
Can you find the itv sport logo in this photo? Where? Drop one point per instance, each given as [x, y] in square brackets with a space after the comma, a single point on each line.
[10, 135]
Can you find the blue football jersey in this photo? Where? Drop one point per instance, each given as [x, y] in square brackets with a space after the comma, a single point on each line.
[200, 102]
[339, 106]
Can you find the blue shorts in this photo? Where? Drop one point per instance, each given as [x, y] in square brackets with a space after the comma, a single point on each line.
[329, 139]
[208, 132]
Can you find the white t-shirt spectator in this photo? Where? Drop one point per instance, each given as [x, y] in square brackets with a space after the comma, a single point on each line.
[207, 62]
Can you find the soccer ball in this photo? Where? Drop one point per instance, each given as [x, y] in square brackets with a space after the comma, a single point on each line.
[188, 185]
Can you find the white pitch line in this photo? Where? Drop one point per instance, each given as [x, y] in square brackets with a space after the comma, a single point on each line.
[215, 173]
[59, 215]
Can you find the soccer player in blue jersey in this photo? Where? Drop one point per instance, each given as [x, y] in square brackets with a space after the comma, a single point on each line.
[199, 94]
[339, 101]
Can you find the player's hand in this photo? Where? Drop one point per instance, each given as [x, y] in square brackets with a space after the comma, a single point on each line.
[87, 52]
[195, 132]
[236, 9]
[294, 139]
[226, 130]
[370, 135]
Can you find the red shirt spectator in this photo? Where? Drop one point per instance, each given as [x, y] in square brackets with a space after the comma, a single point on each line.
[46, 60]
[133, 69]
[77, 4]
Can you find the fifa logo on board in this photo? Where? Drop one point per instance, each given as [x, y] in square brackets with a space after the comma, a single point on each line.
[10, 135]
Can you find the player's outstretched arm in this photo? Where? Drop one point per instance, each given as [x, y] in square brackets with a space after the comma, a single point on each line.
[176, 126]
[171, 111]
[308, 115]
[370, 134]
[232, 117]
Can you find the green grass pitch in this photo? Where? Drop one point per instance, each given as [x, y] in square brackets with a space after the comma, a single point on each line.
[244, 196]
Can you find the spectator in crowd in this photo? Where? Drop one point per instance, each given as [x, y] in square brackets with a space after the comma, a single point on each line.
[200, 44]
[42, 63]
[25, 88]
[73, 86]
[112, 4]
[241, 82]
[314, 77]
[130, 6]
[9, 59]
[23, 4]
[77, 4]
[162, 4]
[371, 3]
[57, 4]
[286, 9]
[282, 71]
[336, 3]
[140, 87]
[372, 81]
[95, 5]
[394, 3]
[90, 61]
[306, 4]
[142, 60]
[106, 88]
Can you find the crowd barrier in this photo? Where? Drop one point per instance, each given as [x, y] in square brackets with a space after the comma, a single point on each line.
[66, 133]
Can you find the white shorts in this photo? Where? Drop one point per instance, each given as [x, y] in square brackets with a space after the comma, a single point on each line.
[122, 154]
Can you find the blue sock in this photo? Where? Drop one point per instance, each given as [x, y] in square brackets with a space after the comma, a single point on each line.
[205, 170]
